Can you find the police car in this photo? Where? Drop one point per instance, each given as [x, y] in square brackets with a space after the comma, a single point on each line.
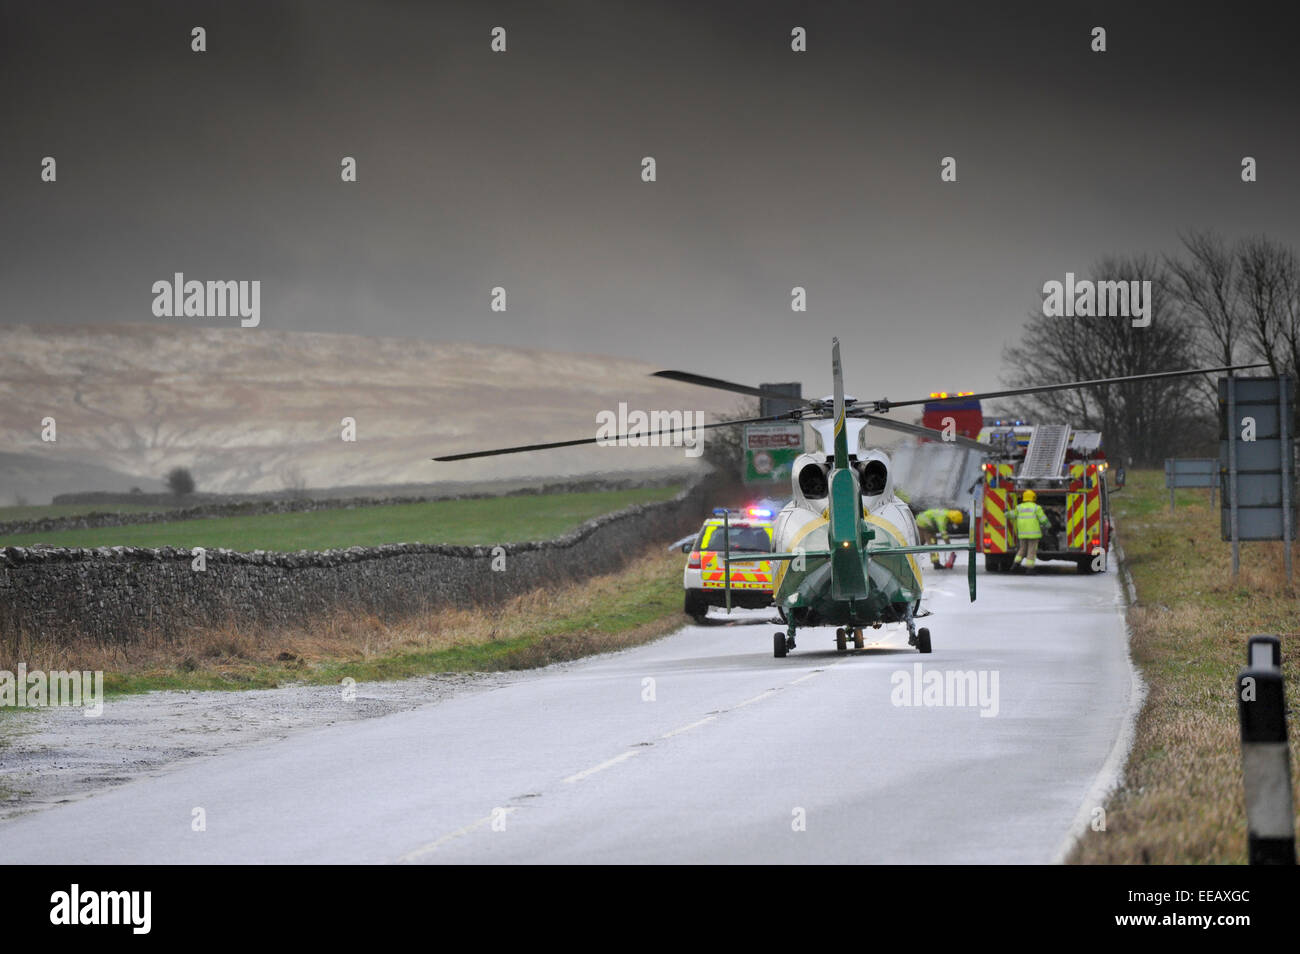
[704, 579]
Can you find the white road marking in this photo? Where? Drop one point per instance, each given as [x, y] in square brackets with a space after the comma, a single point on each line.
[757, 698]
[807, 675]
[763, 695]
[1111, 772]
[608, 763]
[435, 845]
[687, 728]
[585, 773]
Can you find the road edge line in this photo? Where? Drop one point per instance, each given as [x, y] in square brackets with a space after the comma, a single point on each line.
[1111, 774]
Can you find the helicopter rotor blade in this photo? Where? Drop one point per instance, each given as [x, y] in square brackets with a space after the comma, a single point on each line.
[917, 430]
[885, 404]
[703, 381]
[525, 448]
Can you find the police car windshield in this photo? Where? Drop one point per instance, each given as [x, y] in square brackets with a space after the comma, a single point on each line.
[751, 539]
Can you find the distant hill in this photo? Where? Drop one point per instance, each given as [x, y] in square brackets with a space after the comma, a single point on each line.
[34, 478]
[252, 411]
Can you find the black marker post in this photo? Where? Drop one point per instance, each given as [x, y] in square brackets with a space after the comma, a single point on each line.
[1265, 758]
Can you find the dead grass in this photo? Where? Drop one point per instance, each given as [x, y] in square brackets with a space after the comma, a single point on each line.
[626, 608]
[1181, 800]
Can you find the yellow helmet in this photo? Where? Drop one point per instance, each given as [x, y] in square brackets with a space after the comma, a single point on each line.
[1029, 496]
[955, 516]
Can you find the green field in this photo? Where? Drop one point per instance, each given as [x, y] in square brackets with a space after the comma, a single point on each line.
[486, 521]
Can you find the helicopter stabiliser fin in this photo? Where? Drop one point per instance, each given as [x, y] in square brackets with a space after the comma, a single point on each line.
[920, 548]
[841, 435]
[775, 557]
[970, 570]
[936, 548]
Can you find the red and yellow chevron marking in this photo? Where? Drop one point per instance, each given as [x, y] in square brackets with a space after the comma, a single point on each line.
[1003, 471]
[1094, 518]
[1074, 522]
[714, 578]
[994, 526]
[1076, 476]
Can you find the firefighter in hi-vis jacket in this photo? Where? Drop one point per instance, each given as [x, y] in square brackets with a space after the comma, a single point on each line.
[1031, 521]
[933, 525]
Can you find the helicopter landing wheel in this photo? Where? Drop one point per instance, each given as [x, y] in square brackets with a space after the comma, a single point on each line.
[778, 645]
[923, 641]
[857, 638]
[841, 641]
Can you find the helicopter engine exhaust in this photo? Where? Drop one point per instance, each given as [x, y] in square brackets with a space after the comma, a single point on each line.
[873, 476]
[810, 478]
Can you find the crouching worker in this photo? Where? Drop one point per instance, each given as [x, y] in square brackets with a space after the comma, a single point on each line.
[934, 525]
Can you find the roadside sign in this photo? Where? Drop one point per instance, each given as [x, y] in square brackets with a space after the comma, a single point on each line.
[1191, 472]
[770, 408]
[1256, 459]
[770, 451]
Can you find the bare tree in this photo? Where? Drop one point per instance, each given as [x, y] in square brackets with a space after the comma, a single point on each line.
[1289, 305]
[1135, 418]
[1206, 292]
[1268, 282]
[1257, 281]
[724, 447]
[294, 482]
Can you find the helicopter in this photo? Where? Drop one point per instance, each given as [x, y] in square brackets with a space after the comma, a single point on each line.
[847, 544]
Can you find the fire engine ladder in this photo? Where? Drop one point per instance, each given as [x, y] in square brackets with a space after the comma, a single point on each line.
[1046, 451]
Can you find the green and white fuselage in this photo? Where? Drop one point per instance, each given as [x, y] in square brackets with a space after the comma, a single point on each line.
[846, 545]
[891, 582]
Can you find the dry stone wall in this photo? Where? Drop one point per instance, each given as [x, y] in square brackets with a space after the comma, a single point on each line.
[115, 594]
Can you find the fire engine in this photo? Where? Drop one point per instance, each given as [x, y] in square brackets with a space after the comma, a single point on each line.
[1067, 470]
[960, 410]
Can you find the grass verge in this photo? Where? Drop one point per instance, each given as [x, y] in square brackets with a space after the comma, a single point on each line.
[632, 606]
[1181, 799]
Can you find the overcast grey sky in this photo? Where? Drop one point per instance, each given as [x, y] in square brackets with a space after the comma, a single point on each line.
[522, 169]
